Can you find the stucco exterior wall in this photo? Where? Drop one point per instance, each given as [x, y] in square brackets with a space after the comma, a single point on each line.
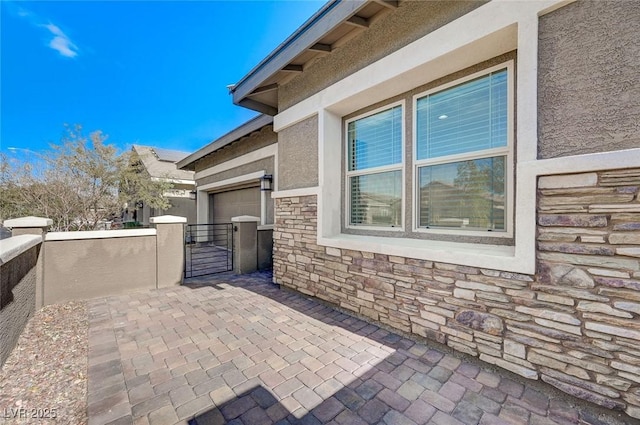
[182, 207]
[88, 268]
[588, 90]
[411, 20]
[18, 297]
[170, 254]
[264, 164]
[298, 155]
[575, 324]
[264, 137]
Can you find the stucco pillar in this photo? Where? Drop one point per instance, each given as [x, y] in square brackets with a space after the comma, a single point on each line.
[245, 244]
[170, 246]
[33, 226]
[28, 225]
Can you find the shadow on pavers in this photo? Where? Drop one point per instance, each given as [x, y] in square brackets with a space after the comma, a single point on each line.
[373, 397]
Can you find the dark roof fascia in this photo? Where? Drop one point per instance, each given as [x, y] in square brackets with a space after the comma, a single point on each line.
[321, 23]
[245, 129]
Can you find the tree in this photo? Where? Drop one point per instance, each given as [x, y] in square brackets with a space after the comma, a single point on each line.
[78, 183]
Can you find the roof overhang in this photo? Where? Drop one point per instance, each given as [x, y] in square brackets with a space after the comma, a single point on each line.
[336, 21]
[251, 126]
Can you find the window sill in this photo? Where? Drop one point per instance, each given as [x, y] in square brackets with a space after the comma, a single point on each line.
[496, 257]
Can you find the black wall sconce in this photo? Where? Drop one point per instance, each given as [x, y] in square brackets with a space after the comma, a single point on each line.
[193, 195]
[266, 183]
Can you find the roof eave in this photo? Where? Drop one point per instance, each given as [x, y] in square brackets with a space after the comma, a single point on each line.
[255, 124]
[326, 19]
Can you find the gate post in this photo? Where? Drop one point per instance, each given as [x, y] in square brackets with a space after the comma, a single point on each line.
[245, 244]
[170, 249]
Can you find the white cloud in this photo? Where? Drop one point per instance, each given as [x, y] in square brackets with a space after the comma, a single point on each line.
[61, 43]
[55, 30]
[57, 40]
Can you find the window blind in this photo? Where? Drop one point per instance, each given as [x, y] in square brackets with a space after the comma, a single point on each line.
[376, 140]
[468, 117]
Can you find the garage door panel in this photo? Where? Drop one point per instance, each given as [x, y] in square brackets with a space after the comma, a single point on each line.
[234, 203]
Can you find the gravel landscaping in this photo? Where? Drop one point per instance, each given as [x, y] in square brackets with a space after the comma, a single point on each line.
[45, 378]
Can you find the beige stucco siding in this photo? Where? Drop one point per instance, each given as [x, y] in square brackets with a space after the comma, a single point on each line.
[78, 269]
[264, 137]
[588, 81]
[182, 207]
[170, 254]
[298, 155]
[411, 20]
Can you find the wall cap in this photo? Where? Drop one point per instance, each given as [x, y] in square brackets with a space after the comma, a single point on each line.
[12, 247]
[98, 234]
[167, 219]
[28, 222]
[245, 219]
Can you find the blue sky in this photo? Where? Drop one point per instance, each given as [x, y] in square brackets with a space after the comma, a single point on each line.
[145, 72]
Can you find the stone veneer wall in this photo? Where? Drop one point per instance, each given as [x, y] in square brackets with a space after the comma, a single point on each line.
[575, 324]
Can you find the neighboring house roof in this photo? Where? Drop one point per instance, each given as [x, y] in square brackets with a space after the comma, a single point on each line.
[335, 22]
[161, 164]
[251, 126]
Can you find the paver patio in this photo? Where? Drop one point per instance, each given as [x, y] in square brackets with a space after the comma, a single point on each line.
[240, 350]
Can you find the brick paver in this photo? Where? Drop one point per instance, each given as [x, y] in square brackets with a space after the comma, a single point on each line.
[239, 350]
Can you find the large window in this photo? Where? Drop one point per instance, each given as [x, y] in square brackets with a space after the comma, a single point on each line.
[374, 172]
[461, 154]
[461, 160]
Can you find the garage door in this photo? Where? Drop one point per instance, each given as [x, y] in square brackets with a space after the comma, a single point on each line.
[233, 203]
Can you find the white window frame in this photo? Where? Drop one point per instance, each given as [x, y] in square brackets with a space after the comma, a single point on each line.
[485, 153]
[376, 170]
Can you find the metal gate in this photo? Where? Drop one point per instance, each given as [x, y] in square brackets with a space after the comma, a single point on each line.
[208, 249]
